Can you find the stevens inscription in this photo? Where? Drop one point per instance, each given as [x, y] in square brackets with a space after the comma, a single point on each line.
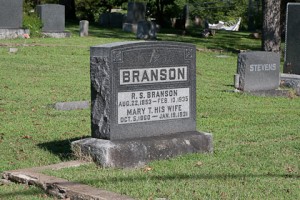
[153, 105]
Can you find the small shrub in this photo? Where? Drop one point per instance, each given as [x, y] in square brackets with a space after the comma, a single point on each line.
[32, 22]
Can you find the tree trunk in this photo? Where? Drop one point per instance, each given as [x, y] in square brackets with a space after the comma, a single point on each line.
[271, 37]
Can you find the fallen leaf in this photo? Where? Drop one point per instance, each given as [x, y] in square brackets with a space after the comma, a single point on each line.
[198, 164]
[289, 169]
[26, 137]
[147, 169]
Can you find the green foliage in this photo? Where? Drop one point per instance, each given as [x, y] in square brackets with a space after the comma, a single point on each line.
[88, 9]
[215, 11]
[32, 22]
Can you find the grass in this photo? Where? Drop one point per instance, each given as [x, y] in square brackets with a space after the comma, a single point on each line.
[256, 139]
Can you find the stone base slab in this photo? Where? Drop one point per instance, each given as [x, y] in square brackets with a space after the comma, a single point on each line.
[138, 152]
[271, 93]
[58, 187]
[57, 34]
[13, 33]
[290, 80]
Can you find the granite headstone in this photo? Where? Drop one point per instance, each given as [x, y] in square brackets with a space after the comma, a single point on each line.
[11, 13]
[258, 70]
[143, 103]
[292, 40]
[53, 17]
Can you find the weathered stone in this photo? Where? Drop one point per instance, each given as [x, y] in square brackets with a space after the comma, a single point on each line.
[258, 70]
[74, 105]
[138, 152]
[83, 28]
[292, 38]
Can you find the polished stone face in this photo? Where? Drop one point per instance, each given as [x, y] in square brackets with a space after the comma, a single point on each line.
[292, 45]
[258, 70]
[52, 16]
[11, 13]
[142, 89]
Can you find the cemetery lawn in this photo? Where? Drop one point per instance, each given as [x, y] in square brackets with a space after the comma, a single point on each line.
[256, 139]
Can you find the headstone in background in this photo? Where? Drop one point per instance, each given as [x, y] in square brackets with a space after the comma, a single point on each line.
[11, 19]
[53, 19]
[258, 70]
[143, 104]
[11, 13]
[111, 20]
[83, 28]
[146, 30]
[292, 39]
[135, 12]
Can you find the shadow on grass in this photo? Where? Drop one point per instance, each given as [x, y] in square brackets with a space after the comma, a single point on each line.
[182, 176]
[60, 148]
[223, 40]
[21, 194]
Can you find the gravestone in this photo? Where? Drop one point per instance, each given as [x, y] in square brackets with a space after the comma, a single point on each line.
[146, 30]
[292, 39]
[11, 19]
[135, 12]
[11, 13]
[53, 19]
[111, 19]
[143, 104]
[83, 28]
[258, 71]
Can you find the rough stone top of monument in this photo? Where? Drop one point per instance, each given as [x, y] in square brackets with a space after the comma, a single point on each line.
[142, 89]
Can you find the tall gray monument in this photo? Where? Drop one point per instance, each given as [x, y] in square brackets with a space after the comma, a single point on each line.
[143, 97]
[11, 19]
[292, 39]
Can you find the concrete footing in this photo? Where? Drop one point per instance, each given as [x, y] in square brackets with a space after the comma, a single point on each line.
[138, 152]
[58, 187]
[57, 34]
[13, 33]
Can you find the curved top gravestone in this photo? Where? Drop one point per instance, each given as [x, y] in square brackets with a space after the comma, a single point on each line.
[142, 89]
